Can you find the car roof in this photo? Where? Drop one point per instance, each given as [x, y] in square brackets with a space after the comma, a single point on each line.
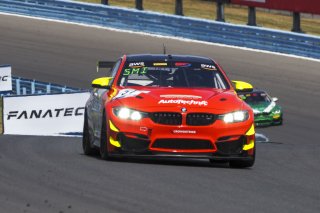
[162, 57]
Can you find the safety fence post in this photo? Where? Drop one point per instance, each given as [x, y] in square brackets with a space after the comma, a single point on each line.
[33, 87]
[139, 4]
[220, 11]
[252, 16]
[18, 86]
[106, 2]
[48, 88]
[296, 27]
[179, 7]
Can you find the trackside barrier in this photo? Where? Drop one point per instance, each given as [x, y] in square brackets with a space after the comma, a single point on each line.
[48, 115]
[23, 86]
[30, 107]
[169, 25]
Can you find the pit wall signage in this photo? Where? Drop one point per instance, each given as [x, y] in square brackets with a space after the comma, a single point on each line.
[49, 115]
[5, 78]
[305, 6]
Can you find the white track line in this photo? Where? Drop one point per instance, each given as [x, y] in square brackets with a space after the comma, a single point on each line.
[261, 138]
[162, 36]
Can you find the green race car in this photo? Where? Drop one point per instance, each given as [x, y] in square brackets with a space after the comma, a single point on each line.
[265, 109]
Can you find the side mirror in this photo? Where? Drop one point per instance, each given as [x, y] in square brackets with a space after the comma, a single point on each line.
[241, 86]
[275, 99]
[102, 83]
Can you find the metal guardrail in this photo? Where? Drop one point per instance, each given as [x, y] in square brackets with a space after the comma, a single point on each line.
[170, 25]
[22, 86]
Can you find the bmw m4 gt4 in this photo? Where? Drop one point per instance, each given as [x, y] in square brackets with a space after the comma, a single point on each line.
[168, 106]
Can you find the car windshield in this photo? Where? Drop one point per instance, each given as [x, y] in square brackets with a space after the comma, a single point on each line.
[172, 74]
[255, 97]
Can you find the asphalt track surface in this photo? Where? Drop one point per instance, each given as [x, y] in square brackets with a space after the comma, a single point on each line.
[51, 174]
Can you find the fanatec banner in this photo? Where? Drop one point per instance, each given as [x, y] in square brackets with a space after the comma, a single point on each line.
[5, 78]
[51, 115]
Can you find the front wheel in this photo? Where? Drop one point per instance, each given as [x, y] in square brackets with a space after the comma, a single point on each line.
[86, 144]
[103, 140]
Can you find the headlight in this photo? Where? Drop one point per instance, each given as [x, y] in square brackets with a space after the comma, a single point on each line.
[255, 111]
[129, 114]
[233, 117]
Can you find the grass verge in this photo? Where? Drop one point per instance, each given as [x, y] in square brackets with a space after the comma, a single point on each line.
[233, 13]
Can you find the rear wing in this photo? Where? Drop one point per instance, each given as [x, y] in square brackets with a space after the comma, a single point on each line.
[104, 65]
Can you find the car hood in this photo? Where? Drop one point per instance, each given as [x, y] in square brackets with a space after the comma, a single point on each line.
[225, 100]
[259, 106]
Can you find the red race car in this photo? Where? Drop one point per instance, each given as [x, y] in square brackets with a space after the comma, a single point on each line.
[168, 106]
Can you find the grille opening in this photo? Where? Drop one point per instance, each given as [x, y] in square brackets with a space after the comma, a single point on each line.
[166, 118]
[182, 144]
[232, 146]
[133, 144]
[200, 119]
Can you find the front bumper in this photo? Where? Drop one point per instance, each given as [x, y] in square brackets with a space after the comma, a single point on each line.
[267, 120]
[152, 155]
[148, 139]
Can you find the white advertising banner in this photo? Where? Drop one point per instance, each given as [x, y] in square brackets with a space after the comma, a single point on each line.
[51, 115]
[5, 78]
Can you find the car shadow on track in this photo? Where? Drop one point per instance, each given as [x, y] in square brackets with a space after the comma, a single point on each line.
[186, 162]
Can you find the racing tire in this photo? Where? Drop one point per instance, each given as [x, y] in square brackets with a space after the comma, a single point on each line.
[86, 144]
[103, 140]
[243, 163]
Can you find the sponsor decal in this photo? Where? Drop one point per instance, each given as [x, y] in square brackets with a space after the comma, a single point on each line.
[183, 102]
[137, 71]
[45, 113]
[136, 64]
[5, 78]
[208, 67]
[179, 131]
[182, 64]
[126, 93]
[173, 96]
[160, 64]
[143, 128]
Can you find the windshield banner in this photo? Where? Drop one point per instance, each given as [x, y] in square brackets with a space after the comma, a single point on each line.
[49, 115]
